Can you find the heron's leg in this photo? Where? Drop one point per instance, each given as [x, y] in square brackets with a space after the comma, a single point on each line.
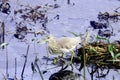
[58, 58]
[72, 56]
[62, 55]
[71, 60]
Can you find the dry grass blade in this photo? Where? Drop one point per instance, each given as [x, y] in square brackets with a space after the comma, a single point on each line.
[85, 41]
[3, 33]
[25, 62]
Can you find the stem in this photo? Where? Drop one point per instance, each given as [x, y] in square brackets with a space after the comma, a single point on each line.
[84, 54]
[7, 74]
[92, 72]
[15, 68]
[3, 33]
[68, 1]
[25, 62]
[113, 77]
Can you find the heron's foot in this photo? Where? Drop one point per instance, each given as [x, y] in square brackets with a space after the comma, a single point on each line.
[55, 61]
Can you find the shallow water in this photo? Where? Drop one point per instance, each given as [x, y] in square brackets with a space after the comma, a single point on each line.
[73, 18]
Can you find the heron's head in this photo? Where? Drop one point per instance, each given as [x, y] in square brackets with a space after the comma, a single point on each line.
[48, 38]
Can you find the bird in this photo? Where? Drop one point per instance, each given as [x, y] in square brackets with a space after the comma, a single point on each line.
[62, 45]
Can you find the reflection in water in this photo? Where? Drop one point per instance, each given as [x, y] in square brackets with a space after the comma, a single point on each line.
[97, 72]
[65, 75]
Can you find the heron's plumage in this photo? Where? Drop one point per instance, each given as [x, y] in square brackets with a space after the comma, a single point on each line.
[63, 44]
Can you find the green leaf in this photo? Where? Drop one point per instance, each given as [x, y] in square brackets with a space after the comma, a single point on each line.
[102, 38]
[111, 48]
[76, 35]
[98, 37]
[80, 57]
[117, 55]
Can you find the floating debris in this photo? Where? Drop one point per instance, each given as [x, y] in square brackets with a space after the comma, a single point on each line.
[105, 33]
[21, 32]
[32, 14]
[109, 16]
[5, 7]
[98, 25]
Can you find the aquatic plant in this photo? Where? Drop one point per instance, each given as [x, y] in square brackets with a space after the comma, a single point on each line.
[111, 49]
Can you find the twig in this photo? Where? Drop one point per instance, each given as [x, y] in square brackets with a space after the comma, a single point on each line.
[7, 74]
[3, 75]
[15, 68]
[116, 10]
[25, 62]
[38, 68]
[68, 1]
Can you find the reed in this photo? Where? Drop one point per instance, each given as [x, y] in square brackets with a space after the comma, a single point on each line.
[25, 62]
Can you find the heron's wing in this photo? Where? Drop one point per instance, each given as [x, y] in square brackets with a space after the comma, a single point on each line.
[54, 50]
[68, 42]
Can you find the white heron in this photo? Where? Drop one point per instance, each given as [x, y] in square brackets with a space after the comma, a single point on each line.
[62, 45]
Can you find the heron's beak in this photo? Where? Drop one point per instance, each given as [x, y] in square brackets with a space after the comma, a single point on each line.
[43, 41]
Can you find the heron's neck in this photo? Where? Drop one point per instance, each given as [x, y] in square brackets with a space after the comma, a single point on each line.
[53, 42]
